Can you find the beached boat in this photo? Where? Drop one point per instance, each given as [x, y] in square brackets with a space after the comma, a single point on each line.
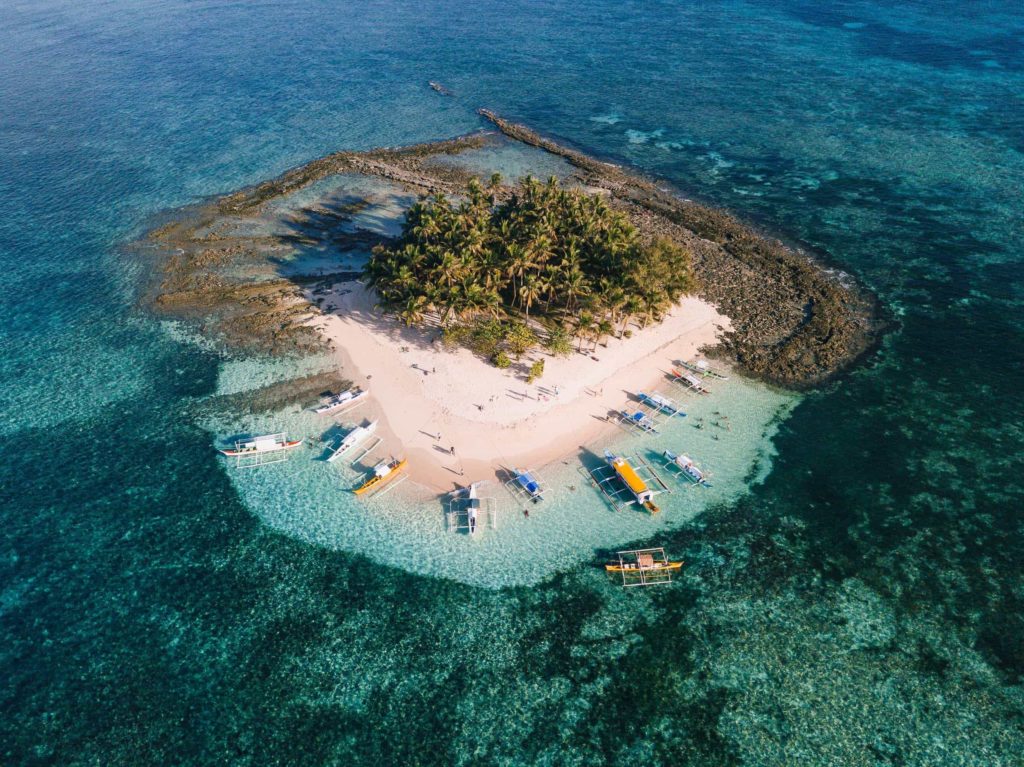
[469, 511]
[473, 509]
[661, 403]
[640, 420]
[382, 473]
[700, 367]
[351, 440]
[530, 485]
[269, 443]
[687, 468]
[336, 401]
[636, 485]
[689, 381]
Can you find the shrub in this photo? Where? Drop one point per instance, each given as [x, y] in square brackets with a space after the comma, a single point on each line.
[536, 371]
[559, 342]
[501, 360]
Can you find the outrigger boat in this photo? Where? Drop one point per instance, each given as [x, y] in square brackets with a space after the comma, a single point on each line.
[661, 403]
[700, 367]
[643, 567]
[473, 509]
[690, 381]
[687, 468]
[340, 400]
[640, 420]
[270, 443]
[628, 567]
[351, 440]
[383, 472]
[468, 511]
[641, 492]
[530, 485]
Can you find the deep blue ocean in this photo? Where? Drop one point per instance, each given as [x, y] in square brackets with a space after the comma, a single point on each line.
[863, 606]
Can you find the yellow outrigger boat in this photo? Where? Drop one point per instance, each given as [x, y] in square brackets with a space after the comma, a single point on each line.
[634, 567]
[643, 494]
[383, 472]
[643, 567]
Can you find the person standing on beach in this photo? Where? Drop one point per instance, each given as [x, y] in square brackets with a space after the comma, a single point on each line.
[451, 450]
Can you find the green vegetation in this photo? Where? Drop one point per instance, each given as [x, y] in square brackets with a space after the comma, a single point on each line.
[492, 274]
[536, 371]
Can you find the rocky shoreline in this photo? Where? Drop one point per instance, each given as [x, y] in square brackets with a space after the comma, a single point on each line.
[794, 323]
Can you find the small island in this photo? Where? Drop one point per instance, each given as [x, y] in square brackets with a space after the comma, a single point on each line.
[496, 322]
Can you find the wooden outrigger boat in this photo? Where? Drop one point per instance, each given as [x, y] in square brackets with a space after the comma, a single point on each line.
[633, 481]
[631, 566]
[640, 420]
[270, 443]
[685, 467]
[689, 381]
[530, 485]
[382, 473]
[352, 440]
[469, 511]
[661, 403]
[644, 567]
[336, 401]
[700, 367]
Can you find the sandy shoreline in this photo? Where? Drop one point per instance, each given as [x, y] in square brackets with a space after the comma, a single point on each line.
[491, 417]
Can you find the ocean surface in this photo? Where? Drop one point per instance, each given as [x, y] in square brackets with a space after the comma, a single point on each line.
[861, 602]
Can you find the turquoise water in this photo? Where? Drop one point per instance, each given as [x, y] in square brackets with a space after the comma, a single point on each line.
[862, 605]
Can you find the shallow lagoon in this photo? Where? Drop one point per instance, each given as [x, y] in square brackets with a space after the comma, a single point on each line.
[310, 499]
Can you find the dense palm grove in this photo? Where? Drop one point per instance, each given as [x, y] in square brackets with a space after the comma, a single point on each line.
[492, 272]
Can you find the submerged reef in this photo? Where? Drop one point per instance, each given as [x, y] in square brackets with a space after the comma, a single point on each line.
[795, 323]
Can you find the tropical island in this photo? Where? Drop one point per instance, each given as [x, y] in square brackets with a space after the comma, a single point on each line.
[496, 323]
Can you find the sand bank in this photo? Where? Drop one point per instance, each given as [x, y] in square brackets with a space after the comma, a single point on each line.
[492, 418]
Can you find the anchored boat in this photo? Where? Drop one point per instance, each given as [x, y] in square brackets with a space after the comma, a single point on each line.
[700, 367]
[270, 443]
[660, 402]
[383, 472]
[469, 511]
[625, 471]
[685, 467]
[689, 381]
[640, 420]
[632, 567]
[336, 401]
[352, 439]
[530, 485]
[644, 567]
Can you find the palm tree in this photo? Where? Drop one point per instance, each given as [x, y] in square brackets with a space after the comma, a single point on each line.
[530, 290]
[412, 312]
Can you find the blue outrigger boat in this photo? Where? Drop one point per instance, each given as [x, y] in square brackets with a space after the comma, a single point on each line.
[530, 485]
[661, 403]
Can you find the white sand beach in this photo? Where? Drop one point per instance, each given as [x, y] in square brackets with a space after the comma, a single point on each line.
[430, 400]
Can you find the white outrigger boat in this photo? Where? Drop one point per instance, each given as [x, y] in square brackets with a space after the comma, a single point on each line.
[661, 403]
[700, 367]
[689, 381]
[269, 443]
[258, 451]
[352, 440]
[336, 401]
[684, 466]
[468, 511]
